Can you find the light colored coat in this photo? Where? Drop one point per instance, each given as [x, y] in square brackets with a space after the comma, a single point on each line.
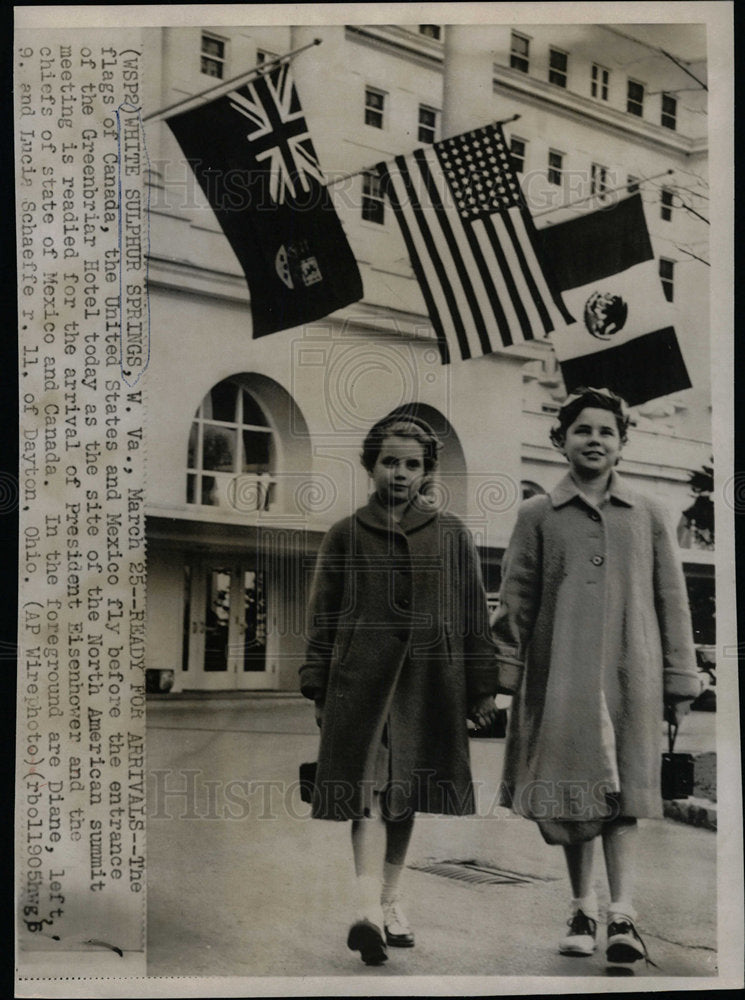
[597, 603]
[398, 634]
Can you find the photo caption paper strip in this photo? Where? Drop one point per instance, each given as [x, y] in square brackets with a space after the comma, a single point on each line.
[82, 241]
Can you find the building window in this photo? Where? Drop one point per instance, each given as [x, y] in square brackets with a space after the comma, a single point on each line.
[555, 166]
[557, 67]
[231, 454]
[374, 107]
[632, 184]
[427, 124]
[263, 58]
[517, 153]
[599, 82]
[373, 203]
[635, 98]
[598, 178]
[213, 56]
[519, 52]
[666, 276]
[431, 31]
[669, 117]
[666, 204]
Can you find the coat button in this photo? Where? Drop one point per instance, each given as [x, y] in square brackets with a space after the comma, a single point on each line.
[594, 515]
[597, 560]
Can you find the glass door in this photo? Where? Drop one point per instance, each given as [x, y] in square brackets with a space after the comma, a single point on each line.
[227, 639]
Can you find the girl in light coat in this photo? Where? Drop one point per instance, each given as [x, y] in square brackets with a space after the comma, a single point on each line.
[593, 595]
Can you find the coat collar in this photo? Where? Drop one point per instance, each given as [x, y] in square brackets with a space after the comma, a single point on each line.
[374, 515]
[567, 490]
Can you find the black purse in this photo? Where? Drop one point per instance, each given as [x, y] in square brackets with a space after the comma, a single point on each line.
[677, 770]
[307, 780]
[496, 730]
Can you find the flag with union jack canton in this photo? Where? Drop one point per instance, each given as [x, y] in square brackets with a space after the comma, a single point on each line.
[253, 156]
[472, 244]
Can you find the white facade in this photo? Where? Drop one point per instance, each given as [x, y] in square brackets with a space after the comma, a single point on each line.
[321, 387]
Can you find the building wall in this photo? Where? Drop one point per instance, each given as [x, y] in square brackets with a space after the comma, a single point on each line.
[165, 612]
[324, 385]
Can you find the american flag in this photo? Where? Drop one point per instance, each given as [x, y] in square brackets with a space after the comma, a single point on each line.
[471, 242]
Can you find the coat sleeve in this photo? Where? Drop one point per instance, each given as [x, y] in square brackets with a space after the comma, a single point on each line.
[519, 597]
[324, 607]
[478, 646]
[682, 681]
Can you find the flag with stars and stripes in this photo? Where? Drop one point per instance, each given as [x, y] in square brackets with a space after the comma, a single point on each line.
[253, 156]
[472, 244]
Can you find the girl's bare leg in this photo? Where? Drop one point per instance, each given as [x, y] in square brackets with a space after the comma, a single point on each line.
[619, 847]
[369, 849]
[398, 837]
[579, 859]
[398, 931]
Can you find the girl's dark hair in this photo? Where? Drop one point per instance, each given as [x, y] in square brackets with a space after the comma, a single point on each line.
[399, 425]
[602, 399]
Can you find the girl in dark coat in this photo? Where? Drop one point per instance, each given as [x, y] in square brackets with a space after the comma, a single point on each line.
[594, 596]
[398, 651]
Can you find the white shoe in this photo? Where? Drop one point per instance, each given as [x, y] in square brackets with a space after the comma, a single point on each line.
[398, 933]
[581, 937]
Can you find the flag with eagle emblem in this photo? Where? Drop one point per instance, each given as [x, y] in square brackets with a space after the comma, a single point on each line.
[253, 157]
[623, 337]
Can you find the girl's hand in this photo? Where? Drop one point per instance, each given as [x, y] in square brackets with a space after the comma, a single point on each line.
[319, 705]
[675, 712]
[484, 711]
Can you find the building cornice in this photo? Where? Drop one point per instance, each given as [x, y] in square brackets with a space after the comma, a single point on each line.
[577, 108]
[201, 529]
[174, 274]
[398, 41]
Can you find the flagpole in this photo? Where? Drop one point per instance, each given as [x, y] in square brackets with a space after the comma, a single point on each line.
[695, 256]
[589, 197]
[226, 85]
[367, 170]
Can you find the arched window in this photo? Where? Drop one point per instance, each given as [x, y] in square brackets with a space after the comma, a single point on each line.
[232, 453]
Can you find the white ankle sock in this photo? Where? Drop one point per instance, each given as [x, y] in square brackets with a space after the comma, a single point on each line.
[368, 898]
[391, 882]
[588, 904]
[621, 910]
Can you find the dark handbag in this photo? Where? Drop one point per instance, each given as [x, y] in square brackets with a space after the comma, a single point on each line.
[677, 770]
[496, 730]
[307, 780]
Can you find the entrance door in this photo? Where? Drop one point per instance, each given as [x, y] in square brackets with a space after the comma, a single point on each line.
[228, 634]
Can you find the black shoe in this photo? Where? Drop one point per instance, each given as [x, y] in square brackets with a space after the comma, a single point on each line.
[581, 937]
[366, 938]
[624, 944]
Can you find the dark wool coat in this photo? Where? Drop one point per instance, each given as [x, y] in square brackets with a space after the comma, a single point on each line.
[398, 634]
[597, 602]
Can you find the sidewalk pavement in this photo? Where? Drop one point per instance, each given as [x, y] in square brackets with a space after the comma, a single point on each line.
[242, 883]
